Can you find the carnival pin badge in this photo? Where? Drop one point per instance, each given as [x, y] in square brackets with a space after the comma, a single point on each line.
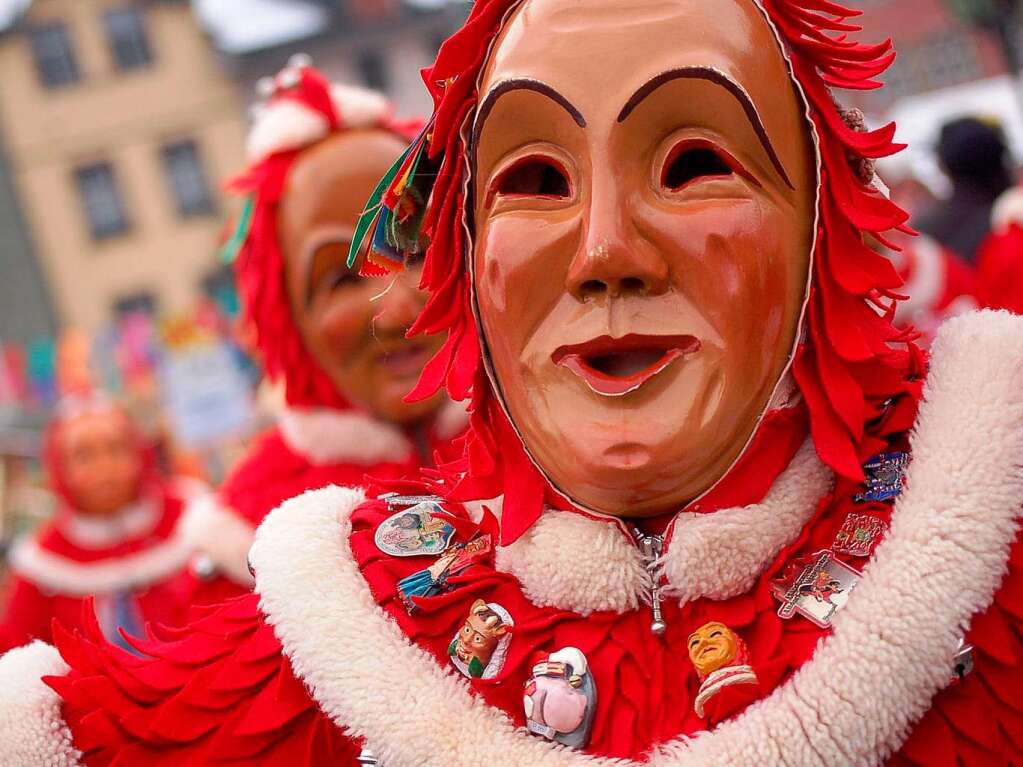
[816, 587]
[858, 535]
[415, 532]
[560, 698]
[434, 579]
[480, 647]
[721, 660]
[885, 475]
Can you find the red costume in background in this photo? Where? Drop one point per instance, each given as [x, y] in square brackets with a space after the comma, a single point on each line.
[1000, 259]
[330, 654]
[939, 284]
[128, 561]
[321, 438]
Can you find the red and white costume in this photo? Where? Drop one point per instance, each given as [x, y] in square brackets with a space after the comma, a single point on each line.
[128, 562]
[324, 659]
[938, 285]
[1000, 259]
[321, 439]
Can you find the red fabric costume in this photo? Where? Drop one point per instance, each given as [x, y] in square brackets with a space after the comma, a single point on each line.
[127, 562]
[322, 438]
[327, 657]
[1000, 260]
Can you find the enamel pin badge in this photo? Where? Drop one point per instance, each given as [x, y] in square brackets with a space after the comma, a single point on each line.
[415, 532]
[434, 579]
[858, 535]
[480, 647]
[885, 475]
[560, 698]
[816, 587]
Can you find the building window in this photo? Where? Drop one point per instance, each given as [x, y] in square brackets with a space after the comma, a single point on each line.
[374, 70]
[101, 200]
[126, 35]
[187, 179]
[55, 58]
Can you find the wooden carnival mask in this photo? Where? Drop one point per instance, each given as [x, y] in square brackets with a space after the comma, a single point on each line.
[353, 326]
[644, 185]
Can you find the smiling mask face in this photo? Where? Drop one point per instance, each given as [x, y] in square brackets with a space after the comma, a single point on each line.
[353, 326]
[644, 187]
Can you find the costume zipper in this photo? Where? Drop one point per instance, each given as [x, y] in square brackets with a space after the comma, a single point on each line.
[651, 547]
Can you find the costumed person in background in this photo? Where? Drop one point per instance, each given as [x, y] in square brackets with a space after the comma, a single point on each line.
[115, 536]
[691, 407]
[974, 155]
[335, 339]
[937, 284]
[1000, 263]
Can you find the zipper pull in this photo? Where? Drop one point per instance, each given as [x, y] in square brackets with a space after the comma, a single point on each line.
[651, 547]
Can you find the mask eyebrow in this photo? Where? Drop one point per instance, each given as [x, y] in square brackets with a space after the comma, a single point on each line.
[718, 78]
[340, 236]
[522, 84]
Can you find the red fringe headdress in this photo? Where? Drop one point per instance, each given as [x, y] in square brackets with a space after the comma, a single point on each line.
[303, 109]
[851, 362]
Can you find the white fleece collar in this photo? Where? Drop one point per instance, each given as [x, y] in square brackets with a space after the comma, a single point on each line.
[55, 574]
[952, 529]
[324, 436]
[717, 555]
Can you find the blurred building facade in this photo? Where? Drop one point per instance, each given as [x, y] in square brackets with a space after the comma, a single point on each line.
[381, 44]
[935, 48]
[117, 124]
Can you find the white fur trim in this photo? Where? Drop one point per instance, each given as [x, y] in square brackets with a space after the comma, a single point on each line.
[1008, 209]
[32, 730]
[284, 124]
[59, 575]
[853, 703]
[358, 107]
[101, 532]
[342, 436]
[718, 555]
[221, 535]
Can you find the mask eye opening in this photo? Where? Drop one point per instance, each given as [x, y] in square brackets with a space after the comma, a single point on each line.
[692, 162]
[533, 177]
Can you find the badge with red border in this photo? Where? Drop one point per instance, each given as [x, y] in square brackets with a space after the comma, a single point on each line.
[816, 587]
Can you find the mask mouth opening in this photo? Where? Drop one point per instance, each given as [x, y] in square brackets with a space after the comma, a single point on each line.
[618, 366]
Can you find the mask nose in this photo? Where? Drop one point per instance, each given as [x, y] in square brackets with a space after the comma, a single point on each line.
[614, 259]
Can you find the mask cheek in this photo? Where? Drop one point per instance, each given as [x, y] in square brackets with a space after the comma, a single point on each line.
[517, 250]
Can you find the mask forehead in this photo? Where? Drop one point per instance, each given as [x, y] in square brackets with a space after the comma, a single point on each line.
[597, 55]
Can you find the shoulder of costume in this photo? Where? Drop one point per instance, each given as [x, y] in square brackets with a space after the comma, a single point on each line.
[211, 529]
[32, 729]
[183, 696]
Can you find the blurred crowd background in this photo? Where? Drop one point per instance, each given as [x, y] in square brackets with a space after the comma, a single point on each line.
[121, 120]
